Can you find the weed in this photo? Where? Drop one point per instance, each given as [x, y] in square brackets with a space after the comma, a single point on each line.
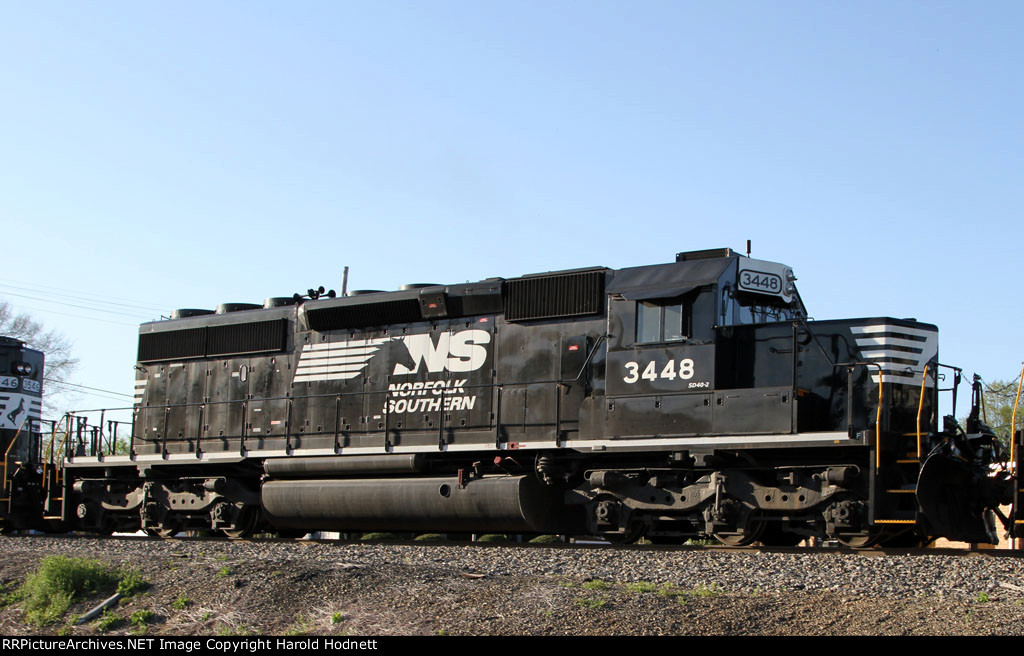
[494, 537]
[181, 603]
[226, 630]
[702, 590]
[141, 617]
[592, 603]
[546, 539]
[131, 582]
[337, 618]
[565, 583]
[669, 590]
[596, 584]
[109, 621]
[430, 537]
[641, 587]
[49, 591]
[223, 572]
[205, 616]
[301, 626]
[983, 598]
[379, 536]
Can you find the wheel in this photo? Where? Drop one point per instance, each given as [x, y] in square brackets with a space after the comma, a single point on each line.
[748, 528]
[742, 537]
[245, 524]
[863, 540]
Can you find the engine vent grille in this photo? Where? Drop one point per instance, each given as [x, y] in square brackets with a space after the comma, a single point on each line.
[365, 314]
[239, 338]
[172, 345]
[209, 341]
[557, 295]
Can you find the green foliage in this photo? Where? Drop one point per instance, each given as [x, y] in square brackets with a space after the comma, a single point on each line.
[142, 617]
[983, 598]
[224, 572]
[596, 584]
[181, 603]
[109, 621]
[546, 539]
[337, 618]
[494, 537]
[379, 536]
[702, 590]
[669, 590]
[999, 396]
[641, 587]
[430, 537]
[131, 582]
[591, 603]
[49, 591]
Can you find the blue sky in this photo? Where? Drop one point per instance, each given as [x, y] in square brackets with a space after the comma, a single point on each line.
[188, 154]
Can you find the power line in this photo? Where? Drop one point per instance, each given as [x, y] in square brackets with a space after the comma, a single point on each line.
[81, 307]
[81, 295]
[95, 389]
[78, 316]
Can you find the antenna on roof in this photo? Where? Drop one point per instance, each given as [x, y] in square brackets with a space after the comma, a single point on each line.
[344, 283]
[748, 248]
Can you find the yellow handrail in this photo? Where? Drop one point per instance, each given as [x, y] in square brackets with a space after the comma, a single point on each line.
[920, 407]
[878, 424]
[53, 437]
[11, 446]
[1013, 420]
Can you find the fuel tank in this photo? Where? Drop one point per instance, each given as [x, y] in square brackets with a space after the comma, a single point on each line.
[519, 504]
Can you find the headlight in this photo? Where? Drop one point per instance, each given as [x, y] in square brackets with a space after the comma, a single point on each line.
[23, 368]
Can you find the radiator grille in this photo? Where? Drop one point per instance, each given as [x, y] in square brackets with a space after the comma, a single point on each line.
[365, 314]
[559, 295]
[209, 341]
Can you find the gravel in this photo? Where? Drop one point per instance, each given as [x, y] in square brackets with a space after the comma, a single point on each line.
[280, 587]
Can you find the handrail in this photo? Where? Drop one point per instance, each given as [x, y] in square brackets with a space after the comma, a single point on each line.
[1013, 420]
[11, 446]
[920, 407]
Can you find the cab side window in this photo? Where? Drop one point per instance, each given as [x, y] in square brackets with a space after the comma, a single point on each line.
[662, 320]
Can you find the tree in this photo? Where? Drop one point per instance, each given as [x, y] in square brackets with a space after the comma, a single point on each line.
[57, 349]
[999, 398]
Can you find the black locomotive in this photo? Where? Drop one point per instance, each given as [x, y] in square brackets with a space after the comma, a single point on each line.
[670, 401]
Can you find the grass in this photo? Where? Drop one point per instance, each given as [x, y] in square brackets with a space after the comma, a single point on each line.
[546, 539]
[379, 536]
[494, 537]
[431, 537]
[109, 621]
[131, 582]
[596, 583]
[224, 572]
[702, 590]
[592, 603]
[641, 587]
[60, 580]
[983, 598]
[181, 603]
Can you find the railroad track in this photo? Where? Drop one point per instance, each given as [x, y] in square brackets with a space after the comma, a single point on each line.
[579, 545]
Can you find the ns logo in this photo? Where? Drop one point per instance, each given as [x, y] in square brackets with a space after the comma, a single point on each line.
[459, 352]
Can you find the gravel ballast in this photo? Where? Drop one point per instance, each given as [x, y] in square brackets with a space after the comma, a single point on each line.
[279, 587]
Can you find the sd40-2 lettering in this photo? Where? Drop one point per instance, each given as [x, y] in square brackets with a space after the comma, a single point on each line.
[670, 371]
